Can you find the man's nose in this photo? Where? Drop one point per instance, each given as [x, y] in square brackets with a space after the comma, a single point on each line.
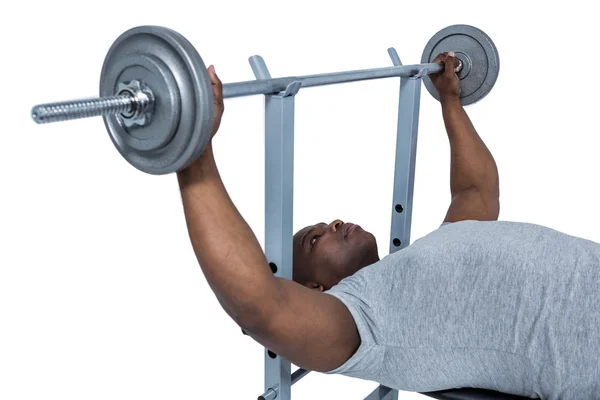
[335, 225]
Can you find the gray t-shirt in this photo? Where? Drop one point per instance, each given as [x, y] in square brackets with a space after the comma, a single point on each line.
[505, 306]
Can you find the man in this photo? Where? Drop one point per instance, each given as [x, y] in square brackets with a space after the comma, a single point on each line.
[510, 307]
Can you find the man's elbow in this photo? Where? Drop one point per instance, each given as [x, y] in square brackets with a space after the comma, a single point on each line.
[255, 316]
[250, 321]
[490, 200]
[492, 208]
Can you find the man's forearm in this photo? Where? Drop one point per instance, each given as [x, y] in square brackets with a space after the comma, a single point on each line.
[472, 164]
[227, 250]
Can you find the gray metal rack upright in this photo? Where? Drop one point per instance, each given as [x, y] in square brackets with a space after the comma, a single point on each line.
[279, 191]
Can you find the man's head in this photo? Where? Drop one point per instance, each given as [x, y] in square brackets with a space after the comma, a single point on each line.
[325, 254]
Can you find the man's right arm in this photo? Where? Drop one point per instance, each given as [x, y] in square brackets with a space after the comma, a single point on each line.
[311, 329]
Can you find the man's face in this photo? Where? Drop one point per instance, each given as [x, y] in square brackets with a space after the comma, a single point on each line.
[326, 254]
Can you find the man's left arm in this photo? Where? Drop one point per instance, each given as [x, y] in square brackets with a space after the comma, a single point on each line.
[474, 183]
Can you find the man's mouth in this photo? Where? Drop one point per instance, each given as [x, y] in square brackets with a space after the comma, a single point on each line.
[348, 229]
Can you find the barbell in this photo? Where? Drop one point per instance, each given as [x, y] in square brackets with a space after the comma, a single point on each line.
[157, 102]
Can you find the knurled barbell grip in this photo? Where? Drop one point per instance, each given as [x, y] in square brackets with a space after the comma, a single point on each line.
[85, 108]
[134, 102]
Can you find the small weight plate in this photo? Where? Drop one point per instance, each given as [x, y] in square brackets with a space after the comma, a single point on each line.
[183, 109]
[479, 55]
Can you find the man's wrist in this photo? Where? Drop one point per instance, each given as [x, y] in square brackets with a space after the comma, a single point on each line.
[450, 101]
[201, 169]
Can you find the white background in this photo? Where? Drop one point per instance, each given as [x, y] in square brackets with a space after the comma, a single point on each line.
[100, 294]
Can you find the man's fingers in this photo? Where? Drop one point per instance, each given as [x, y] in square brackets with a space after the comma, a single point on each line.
[217, 85]
[214, 79]
[450, 64]
[440, 58]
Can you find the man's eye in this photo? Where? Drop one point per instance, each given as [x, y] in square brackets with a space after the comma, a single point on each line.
[314, 239]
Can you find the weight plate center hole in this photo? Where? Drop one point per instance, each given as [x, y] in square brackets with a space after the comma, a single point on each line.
[466, 64]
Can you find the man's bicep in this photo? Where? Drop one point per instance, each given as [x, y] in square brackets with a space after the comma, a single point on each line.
[311, 329]
[471, 204]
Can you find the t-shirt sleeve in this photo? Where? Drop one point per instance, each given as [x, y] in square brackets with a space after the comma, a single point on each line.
[357, 295]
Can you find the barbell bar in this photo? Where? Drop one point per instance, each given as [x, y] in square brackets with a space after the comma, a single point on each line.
[157, 103]
[128, 102]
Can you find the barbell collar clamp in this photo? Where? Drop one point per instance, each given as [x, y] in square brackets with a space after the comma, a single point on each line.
[140, 114]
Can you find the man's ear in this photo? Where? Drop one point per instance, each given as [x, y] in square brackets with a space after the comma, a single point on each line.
[315, 286]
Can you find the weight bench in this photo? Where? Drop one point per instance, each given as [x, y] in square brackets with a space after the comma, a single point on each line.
[279, 161]
[472, 394]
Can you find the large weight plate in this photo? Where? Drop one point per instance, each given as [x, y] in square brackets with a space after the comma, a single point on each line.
[183, 110]
[479, 55]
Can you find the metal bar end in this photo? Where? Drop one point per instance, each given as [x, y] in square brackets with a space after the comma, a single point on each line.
[259, 67]
[395, 57]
